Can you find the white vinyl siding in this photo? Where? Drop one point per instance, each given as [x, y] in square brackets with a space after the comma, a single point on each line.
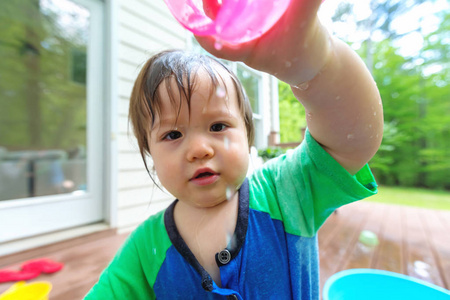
[145, 27]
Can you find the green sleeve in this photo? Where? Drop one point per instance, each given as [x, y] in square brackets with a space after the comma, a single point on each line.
[134, 270]
[304, 186]
[124, 277]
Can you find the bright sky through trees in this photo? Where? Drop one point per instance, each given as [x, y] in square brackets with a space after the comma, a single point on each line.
[422, 16]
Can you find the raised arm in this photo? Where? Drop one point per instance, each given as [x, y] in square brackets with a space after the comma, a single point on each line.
[344, 110]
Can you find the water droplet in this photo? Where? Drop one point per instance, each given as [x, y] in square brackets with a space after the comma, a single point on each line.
[338, 97]
[229, 193]
[350, 136]
[226, 143]
[309, 116]
[374, 113]
[220, 92]
[288, 64]
[302, 86]
[422, 269]
[370, 125]
[218, 45]
[229, 236]
[219, 28]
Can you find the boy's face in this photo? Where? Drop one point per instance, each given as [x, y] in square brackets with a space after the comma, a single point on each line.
[201, 157]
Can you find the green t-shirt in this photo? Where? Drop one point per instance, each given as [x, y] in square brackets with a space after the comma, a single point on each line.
[274, 252]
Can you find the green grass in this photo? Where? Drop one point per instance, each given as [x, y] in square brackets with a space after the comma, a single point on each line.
[413, 197]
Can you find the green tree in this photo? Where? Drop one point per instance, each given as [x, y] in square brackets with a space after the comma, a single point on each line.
[415, 92]
[292, 115]
[42, 88]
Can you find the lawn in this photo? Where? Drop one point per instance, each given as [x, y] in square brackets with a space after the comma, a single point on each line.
[413, 197]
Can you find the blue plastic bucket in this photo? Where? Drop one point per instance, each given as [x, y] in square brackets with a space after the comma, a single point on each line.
[368, 284]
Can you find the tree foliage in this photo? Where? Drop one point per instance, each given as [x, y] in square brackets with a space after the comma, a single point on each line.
[292, 115]
[42, 77]
[416, 95]
[415, 148]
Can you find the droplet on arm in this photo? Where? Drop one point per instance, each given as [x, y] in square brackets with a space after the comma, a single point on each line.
[218, 45]
[302, 86]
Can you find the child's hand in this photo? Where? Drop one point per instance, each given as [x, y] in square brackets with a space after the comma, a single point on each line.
[294, 49]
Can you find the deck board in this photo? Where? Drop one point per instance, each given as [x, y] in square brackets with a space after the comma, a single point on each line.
[439, 240]
[412, 241]
[390, 251]
[420, 262]
[335, 251]
[362, 256]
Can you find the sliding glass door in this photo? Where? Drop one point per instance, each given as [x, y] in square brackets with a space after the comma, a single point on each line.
[51, 100]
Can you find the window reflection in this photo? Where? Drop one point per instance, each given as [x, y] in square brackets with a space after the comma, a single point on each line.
[43, 112]
[250, 82]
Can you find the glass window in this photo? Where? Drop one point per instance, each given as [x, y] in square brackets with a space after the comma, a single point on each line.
[250, 81]
[43, 113]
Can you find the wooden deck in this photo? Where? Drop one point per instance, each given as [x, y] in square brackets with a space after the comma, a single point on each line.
[413, 241]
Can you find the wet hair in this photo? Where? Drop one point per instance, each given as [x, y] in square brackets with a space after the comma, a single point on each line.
[181, 67]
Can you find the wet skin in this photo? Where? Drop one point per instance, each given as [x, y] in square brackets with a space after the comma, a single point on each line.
[201, 158]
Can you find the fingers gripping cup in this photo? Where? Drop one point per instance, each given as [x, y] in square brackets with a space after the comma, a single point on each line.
[230, 21]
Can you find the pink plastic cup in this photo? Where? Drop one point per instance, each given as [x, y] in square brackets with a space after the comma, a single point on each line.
[231, 21]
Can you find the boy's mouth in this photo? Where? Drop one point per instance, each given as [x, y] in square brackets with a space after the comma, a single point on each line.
[203, 172]
[204, 176]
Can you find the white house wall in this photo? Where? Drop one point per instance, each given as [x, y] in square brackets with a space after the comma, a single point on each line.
[145, 27]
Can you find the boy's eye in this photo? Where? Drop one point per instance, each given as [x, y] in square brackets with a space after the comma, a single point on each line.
[218, 127]
[173, 135]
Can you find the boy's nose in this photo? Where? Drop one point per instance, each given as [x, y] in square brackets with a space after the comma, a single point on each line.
[199, 148]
